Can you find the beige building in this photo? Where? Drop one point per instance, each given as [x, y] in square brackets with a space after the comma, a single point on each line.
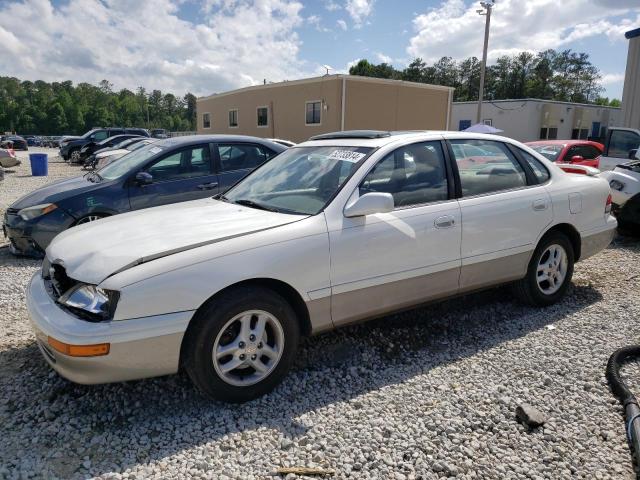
[631, 90]
[531, 119]
[299, 109]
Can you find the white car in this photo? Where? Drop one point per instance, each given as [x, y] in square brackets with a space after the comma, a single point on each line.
[335, 230]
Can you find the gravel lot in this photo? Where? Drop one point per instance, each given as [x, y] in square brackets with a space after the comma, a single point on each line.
[425, 394]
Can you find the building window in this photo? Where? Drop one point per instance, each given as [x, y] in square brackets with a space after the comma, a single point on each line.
[584, 134]
[488, 121]
[464, 124]
[543, 133]
[233, 118]
[206, 120]
[553, 133]
[575, 133]
[263, 116]
[313, 112]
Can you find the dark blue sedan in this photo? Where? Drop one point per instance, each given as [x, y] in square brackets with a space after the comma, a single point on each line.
[167, 171]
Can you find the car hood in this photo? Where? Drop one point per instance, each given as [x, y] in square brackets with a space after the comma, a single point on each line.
[92, 252]
[55, 192]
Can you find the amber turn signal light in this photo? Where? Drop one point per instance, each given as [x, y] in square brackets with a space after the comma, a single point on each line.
[79, 350]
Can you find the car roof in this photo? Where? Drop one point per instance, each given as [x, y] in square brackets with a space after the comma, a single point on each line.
[563, 142]
[358, 139]
[195, 139]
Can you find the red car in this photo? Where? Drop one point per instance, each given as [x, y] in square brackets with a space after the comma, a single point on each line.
[579, 152]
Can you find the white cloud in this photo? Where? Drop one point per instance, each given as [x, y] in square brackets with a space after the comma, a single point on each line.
[609, 78]
[316, 21]
[341, 23]
[382, 58]
[332, 6]
[455, 29]
[359, 10]
[133, 43]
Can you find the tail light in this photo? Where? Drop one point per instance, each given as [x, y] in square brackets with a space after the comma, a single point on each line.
[607, 206]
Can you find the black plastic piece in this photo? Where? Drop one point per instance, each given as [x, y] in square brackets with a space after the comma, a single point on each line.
[352, 134]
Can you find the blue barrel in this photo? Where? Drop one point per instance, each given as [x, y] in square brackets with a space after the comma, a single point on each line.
[39, 164]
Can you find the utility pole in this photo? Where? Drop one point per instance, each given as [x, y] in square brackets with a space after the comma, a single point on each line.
[486, 11]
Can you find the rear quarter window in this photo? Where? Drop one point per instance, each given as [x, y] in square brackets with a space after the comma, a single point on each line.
[540, 171]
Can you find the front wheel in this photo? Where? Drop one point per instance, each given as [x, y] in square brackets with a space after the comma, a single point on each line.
[549, 273]
[89, 219]
[241, 345]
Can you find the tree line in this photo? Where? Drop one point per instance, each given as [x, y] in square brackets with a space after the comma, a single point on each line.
[552, 75]
[59, 108]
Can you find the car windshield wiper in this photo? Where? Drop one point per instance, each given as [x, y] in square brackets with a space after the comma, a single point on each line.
[252, 204]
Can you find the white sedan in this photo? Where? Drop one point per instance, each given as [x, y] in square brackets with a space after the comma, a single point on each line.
[339, 229]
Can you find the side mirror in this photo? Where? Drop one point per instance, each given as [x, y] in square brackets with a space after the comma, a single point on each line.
[633, 154]
[144, 178]
[577, 158]
[370, 203]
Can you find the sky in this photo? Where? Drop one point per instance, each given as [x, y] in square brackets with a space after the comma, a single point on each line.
[210, 46]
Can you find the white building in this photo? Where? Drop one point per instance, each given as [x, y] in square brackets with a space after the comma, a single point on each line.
[631, 93]
[531, 119]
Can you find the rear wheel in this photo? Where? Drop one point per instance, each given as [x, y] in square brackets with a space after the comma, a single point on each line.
[549, 273]
[241, 345]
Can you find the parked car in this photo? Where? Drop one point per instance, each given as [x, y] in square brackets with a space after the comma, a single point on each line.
[115, 151]
[621, 145]
[102, 159]
[578, 152]
[92, 147]
[70, 147]
[286, 143]
[8, 158]
[159, 133]
[15, 142]
[341, 228]
[31, 141]
[624, 181]
[167, 171]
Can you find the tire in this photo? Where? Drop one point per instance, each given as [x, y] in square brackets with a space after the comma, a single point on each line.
[74, 156]
[542, 293]
[220, 323]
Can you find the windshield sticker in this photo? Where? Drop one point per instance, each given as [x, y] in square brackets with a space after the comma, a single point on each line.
[155, 150]
[347, 155]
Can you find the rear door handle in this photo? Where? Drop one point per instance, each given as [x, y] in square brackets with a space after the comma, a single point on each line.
[208, 186]
[446, 221]
[540, 204]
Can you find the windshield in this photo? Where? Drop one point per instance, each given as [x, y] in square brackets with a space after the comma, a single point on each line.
[551, 152]
[300, 180]
[128, 162]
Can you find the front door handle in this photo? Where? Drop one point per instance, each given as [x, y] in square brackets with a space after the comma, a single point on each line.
[445, 221]
[540, 204]
[208, 186]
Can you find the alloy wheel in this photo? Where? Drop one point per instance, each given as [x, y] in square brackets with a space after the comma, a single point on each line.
[89, 218]
[248, 348]
[552, 269]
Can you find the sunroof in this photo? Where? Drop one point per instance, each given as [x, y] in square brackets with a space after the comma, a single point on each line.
[352, 134]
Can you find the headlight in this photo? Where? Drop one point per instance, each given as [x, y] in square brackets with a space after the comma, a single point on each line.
[96, 301]
[36, 211]
[616, 185]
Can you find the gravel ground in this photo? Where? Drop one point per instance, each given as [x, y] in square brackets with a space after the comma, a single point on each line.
[425, 394]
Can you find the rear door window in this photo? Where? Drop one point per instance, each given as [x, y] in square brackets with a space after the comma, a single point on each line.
[241, 156]
[495, 171]
[187, 163]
